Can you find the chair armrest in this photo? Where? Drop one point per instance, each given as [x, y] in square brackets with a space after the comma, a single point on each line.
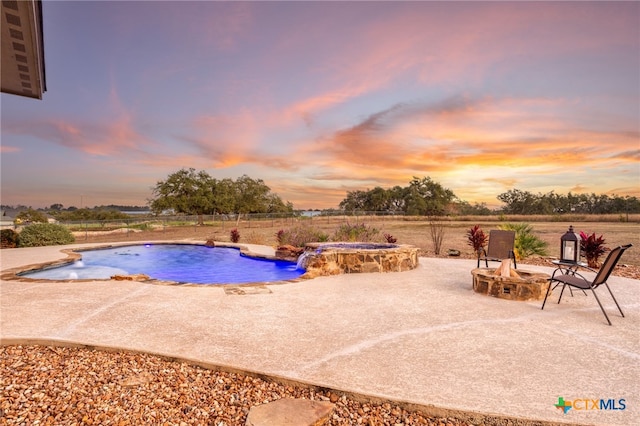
[573, 274]
[588, 268]
[555, 271]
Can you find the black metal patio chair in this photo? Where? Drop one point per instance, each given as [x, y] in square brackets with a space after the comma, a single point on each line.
[577, 280]
[501, 247]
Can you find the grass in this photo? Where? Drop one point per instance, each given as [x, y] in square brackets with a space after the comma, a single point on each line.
[414, 231]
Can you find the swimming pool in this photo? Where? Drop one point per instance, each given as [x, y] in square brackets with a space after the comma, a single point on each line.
[180, 263]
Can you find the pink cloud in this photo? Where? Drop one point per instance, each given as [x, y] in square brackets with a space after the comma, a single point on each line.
[4, 149]
[458, 135]
[307, 108]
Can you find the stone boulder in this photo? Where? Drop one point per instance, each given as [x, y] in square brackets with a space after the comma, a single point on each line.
[132, 277]
[290, 412]
[288, 252]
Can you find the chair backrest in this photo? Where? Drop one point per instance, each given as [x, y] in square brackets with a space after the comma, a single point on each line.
[501, 243]
[607, 266]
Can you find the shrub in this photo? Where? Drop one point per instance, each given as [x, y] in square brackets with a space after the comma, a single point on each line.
[476, 238]
[44, 234]
[255, 238]
[359, 232]
[437, 231]
[143, 226]
[390, 238]
[526, 243]
[234, 235]
[592, 247]
[8, 238]
[301, 235]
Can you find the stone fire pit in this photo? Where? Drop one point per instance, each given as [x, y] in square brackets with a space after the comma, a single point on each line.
[527, 286]
[348, 258]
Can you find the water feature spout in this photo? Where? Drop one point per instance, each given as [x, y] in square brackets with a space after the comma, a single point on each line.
[302, 260]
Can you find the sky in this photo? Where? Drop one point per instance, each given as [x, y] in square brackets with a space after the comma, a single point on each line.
[321, 98]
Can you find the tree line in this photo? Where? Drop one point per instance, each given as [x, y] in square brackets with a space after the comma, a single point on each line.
[525, 202]
[423, 196]
[196, 193]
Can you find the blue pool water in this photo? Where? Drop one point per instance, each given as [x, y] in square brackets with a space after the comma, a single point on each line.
[173, 262]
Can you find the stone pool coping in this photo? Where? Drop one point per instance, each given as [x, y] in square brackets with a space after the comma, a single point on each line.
[421, 337]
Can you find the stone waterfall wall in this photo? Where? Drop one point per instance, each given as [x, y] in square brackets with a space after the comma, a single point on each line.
[332, 259]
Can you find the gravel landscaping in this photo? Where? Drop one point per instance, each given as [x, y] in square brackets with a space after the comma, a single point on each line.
[76, 386]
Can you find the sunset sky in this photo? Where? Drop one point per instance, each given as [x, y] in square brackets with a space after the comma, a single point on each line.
[321, 98]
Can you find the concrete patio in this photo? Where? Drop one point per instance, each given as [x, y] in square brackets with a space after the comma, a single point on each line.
[421, 336]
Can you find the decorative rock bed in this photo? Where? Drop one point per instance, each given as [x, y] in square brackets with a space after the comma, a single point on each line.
[528, 286]
[348, 258]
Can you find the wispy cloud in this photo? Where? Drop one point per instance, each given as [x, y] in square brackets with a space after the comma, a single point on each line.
[99, 139]
[628, 155]
[4, 149]
[320, 98]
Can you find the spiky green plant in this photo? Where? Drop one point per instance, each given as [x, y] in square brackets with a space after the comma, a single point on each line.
[526, 244]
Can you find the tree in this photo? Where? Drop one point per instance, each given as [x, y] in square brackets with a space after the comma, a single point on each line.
[377, 200]
[251, 195]
[276, 205]
[465, 208]
[517, 201]
[427, 197]
[224, 196]
[185, 191]
[421, 197]
[188, 192]
[356, 200]
[30, 215]
[398, 198]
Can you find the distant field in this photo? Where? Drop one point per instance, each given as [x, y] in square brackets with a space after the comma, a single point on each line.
[615, 229]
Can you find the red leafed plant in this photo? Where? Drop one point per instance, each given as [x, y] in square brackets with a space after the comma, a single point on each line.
[477, 238]
[592, 247]
[390, 238]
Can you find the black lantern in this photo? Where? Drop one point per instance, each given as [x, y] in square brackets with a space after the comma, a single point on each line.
[569, 249]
